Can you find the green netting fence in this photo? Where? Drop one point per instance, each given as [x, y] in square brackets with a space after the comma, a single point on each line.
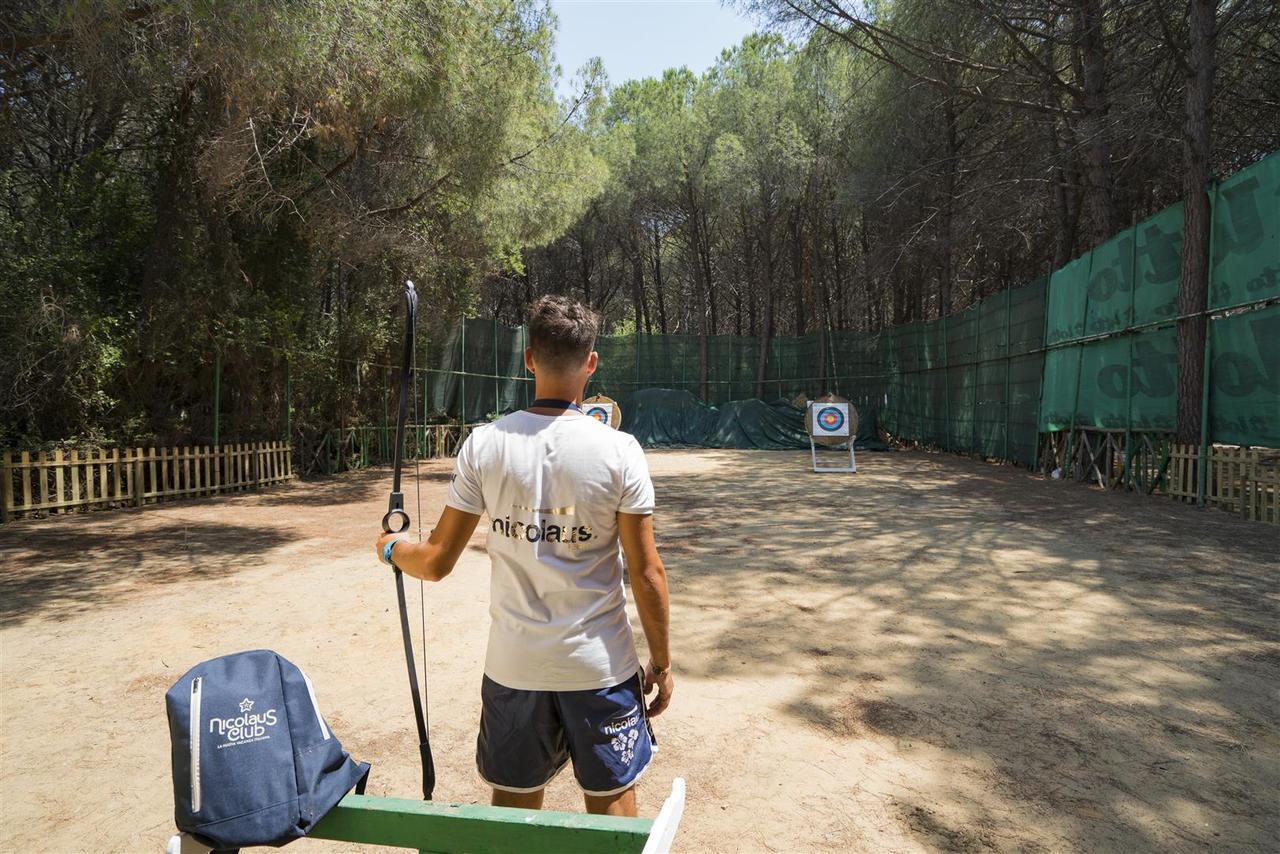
[970, 383]
[1091, 345]
[1111, 360]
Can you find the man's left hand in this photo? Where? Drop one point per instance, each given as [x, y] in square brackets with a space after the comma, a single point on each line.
[381, 547]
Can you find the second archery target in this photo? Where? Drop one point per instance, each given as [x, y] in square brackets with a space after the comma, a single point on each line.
[603, 409]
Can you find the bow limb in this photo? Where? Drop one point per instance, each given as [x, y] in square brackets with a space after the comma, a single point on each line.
[397, 520]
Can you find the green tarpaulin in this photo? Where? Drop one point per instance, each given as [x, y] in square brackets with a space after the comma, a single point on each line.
[661, 417]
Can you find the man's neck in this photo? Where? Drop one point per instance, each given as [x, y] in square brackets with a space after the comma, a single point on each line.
[547, 390]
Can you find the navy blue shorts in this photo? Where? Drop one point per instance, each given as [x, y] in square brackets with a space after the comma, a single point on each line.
[527, 737]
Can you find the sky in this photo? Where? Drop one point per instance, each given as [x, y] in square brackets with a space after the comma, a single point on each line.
[642, 38]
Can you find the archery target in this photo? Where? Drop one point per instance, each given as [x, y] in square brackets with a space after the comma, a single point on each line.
[603, 409]
[831, 420]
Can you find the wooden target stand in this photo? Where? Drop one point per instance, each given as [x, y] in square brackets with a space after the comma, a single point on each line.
[831, 421]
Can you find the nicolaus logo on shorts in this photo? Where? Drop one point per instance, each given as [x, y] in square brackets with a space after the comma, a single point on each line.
[243, 728]
[624, 734]
[535, 532]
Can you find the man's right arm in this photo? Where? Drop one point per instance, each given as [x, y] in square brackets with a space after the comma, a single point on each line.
[649, 587]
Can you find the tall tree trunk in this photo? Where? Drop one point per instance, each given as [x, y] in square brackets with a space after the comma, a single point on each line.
[917, 293]
[528, 279]
[657, 279]
[822, 360]
[899, 292]
[1066, 205]
[797, 274]
[708, 276]
[737, 308]
[704, 361]
[1064, 181]
[701, 274]
[946, 272]
[837, 275]
[872, 287]
[766, 325]
[1193, 286]
[585, 261]
[749, 244]
[637, 290]
[766, 336]
[1102, 200]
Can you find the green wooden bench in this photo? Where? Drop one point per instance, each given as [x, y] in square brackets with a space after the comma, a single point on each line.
[440, 828]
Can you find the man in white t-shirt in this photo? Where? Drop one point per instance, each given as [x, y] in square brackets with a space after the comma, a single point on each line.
[566, 498]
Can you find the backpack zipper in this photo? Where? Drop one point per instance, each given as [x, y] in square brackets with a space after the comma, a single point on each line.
[195, 744]
[315, 707]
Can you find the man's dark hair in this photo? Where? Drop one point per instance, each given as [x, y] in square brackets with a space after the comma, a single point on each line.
[562, 332]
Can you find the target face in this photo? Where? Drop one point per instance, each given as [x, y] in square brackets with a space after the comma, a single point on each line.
[601, 412]
[831, 419]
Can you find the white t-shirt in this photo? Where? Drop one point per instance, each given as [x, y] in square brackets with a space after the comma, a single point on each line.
[552, 487]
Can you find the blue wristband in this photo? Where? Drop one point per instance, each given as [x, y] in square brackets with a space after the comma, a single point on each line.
[386, 551]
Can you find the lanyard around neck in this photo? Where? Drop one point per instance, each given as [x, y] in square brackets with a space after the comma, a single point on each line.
[554, 403]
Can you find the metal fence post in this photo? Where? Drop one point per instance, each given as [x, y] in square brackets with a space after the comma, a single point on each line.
[977, 367]
[524, 380]
[426, 397]
[1128, 379]
[6, 483]
[288, 400]
[946, 388]
[1206, 387]
[1084, 329]
[217, 389]
[462, 381]
[383, 453]
[1008, 369]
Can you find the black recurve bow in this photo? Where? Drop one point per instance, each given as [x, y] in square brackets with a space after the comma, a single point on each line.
[397, 521]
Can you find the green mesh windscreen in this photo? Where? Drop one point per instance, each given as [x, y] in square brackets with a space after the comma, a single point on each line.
[1123, 295]
[1246, 236]
[970, 382]
[1244, 392]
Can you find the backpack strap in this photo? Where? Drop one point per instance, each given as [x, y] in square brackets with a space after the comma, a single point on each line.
[363, 781]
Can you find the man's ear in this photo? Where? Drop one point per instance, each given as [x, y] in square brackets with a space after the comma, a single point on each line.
[528, 360]
[593, 362]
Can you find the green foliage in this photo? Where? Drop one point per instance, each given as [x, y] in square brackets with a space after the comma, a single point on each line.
[236, 181]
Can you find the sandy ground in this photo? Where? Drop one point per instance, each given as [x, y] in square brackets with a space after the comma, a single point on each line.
[933, 654]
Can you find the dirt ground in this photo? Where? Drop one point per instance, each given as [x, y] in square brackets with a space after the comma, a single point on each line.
[933, 654]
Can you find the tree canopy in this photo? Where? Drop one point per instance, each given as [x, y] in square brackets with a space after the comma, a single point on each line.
[183, 181]
[244, 183]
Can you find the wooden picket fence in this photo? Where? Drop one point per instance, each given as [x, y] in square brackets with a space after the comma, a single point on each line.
[68, 481]
[1245, 481]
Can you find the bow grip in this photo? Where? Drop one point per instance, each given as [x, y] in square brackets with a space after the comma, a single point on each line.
[395, 511]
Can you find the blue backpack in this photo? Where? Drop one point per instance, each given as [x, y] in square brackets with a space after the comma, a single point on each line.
[254, 763]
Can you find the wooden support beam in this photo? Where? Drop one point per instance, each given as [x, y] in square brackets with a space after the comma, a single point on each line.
[441, 828]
